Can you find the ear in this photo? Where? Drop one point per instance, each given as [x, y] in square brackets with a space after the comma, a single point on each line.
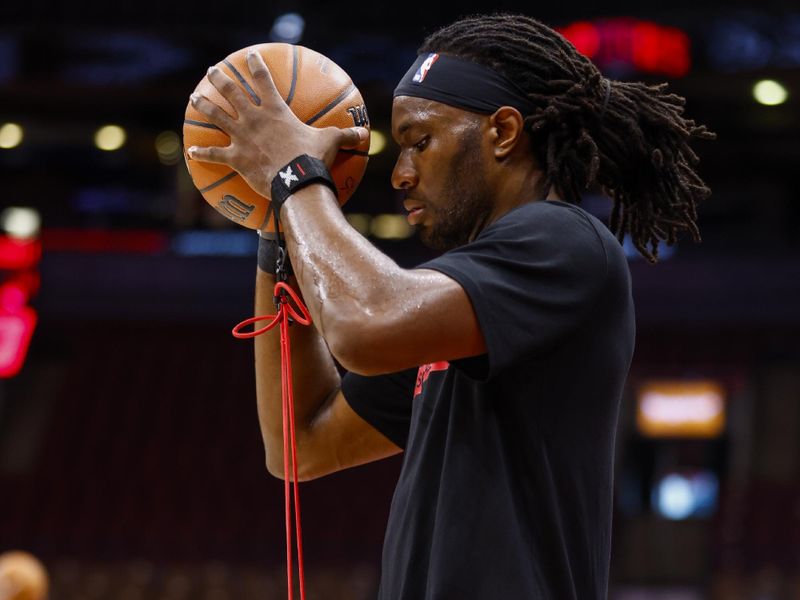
[506, 123]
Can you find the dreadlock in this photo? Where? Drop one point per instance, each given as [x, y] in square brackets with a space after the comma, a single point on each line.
[628, 138]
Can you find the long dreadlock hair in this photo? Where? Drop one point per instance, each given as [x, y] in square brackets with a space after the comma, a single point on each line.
[627, 138]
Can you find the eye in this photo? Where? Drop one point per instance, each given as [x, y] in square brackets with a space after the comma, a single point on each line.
[422, 144]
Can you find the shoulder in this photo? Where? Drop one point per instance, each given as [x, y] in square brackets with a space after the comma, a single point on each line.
[549, 227]
[541, 241]
[547, 217]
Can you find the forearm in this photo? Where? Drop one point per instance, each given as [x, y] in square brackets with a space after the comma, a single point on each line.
[315, 376]
[375, 316]
[347, 282]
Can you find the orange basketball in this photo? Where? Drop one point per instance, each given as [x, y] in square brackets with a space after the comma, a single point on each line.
[22, 576]
[317, 90]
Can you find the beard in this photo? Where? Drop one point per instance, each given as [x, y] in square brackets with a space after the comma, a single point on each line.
[466, 205]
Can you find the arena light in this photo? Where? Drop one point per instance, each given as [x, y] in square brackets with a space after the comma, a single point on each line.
[391, 227]
[682, 495]
[18, 290]
[169, 148]
[20, 222]
[741, 43]
[770, 92]
[103, 241]
[16, 330]
[360, 222]
[585, 36]
[11, 135]
[110, 138]
[630, 44]
[377, 142]
[214, 243]
[681, 409]
[288, 28]
[19, 254]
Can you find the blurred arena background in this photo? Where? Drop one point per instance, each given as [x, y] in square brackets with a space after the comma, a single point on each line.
[130, 457]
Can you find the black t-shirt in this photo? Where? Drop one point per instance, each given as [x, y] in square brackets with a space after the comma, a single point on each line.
[507, 478]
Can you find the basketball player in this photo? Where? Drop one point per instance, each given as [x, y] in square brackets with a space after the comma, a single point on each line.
[497, 367]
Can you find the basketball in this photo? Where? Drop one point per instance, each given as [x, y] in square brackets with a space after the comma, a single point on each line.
[22, 576]
[317, 90]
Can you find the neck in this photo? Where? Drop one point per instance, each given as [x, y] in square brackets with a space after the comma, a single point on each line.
[518, 186]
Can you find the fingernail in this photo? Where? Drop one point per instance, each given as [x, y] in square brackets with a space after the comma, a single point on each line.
[211, 70]
[190, 151]
[193, 98]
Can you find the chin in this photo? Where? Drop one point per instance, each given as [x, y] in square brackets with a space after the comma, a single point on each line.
[435, 242]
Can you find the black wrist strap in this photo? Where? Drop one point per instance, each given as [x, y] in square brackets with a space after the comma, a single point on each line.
[272, 255]
[295, 175]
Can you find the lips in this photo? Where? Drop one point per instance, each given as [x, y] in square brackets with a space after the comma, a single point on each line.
[416, 211]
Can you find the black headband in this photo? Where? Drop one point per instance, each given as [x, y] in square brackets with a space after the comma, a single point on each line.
[462, 84]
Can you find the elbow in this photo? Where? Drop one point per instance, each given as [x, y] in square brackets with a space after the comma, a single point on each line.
[275, 469]
[357, 347]
[273, 452]
[310, 464]
[278, 472]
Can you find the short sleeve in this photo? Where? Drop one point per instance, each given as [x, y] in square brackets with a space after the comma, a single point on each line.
[531, 276]
[383, 401]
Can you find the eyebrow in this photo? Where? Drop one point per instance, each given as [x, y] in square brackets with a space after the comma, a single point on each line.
[406, 125]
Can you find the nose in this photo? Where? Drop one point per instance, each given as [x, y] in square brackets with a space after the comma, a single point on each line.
[404, 176]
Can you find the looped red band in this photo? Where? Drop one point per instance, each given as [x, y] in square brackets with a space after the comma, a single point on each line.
[286, 311]
[281, 290]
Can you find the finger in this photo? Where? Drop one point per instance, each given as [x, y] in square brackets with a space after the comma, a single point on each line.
[262, 78]
[214, 113]
[229, 89]
[210, 154]
[353, 137]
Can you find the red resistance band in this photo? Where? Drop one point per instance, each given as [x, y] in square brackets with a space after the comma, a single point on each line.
[286, 313]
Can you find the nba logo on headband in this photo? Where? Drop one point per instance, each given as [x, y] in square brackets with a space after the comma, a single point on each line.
[422, 72]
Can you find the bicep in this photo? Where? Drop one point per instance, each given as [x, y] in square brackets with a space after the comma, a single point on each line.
[428, 317]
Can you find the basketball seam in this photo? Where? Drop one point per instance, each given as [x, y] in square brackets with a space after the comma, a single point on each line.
[290, 97]
[219, 181]
[201, 124]
[346, 96]
[250, 91]
[332, 105]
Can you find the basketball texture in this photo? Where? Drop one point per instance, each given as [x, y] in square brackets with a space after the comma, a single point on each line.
[317, 90]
